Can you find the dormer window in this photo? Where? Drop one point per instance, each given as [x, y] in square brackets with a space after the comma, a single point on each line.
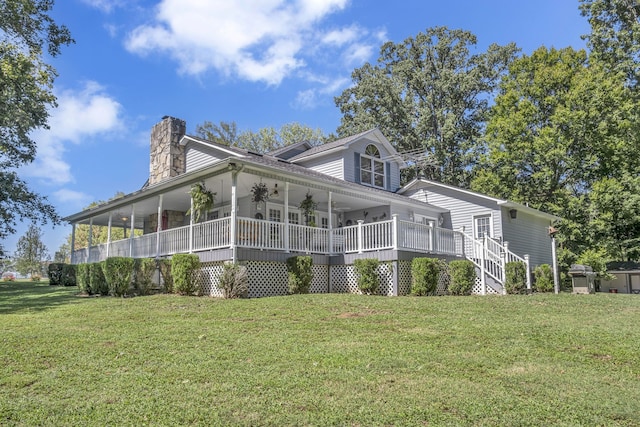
[371, 167]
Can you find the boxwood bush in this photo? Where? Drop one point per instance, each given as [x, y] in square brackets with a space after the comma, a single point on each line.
[234, 281]
[300, 274]
[68, 276]
[424, 275]
[82, 278]
[119, 272]
[463, 277]
[143, 275]
[97, 279]
[54, 271]
[184, 269]
[516, 277]
[367, 275]
[544, 278]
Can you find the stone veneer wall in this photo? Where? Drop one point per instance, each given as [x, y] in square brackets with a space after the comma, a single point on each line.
[174, 219]
[167, 156]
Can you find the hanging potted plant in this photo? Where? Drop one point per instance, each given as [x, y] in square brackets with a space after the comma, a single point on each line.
[259, 193]
[203, 200]
[308, 207]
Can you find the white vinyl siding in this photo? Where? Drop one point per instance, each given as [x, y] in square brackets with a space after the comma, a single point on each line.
[528, 234]
[198, 156]
[332, 166]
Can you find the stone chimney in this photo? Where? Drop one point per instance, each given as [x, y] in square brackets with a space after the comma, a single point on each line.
[167, 156]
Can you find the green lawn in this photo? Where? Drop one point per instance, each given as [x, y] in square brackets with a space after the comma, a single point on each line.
[318, 360]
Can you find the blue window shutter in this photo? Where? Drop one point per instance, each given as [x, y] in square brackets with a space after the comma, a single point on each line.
[356, 168]
[387, 172]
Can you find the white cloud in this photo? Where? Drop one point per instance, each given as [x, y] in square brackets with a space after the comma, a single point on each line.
[105, 5]
[311, 98]
[80, 115]
[256, 40]
[71, 197]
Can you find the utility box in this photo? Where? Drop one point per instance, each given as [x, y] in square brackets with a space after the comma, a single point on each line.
[583, 279]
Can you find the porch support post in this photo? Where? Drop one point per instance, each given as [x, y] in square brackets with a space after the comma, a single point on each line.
[90, 238]
[434, 239]
[556, 279]
[72, 258]
[234, 215]
[483, 275]
[360, 222]
[159, 228]
[394, 231]
[526, 261]
[503, 270]
[462, 237]
[330, 212]
[286, 217]
[191, 226]
[133, 224]
[109, 234]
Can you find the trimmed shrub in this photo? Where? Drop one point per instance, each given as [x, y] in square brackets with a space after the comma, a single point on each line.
[424, 275]
[118, 271]
[234, 281]
[82, 278]
[300, 274]
[544, 278]
[516, 277]
[184, 269]
[367, 272]
[165, 273]
[97, 279]
[143, 275]
[68, 276]
[54, 271]
[463, 277]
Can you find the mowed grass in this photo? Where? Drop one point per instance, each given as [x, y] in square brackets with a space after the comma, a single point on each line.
[318, 360]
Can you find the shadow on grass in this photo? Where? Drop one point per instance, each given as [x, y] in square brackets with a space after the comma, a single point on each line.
[27, 296]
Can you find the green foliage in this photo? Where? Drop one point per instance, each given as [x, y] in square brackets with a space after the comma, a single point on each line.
[367, 273]
[428, 93]
[118, 272]
[424, 275]
[143, 275]
[543, 278]
[97, 280]
[184, 269]
[165, 273]
[463, 277]
[300, 274]
[516, 277]
[203, 200]
[27, 31]
[234, 281]
[68, 276]
[308, 206]
[54, 271]
[31, 252]
[82, 278]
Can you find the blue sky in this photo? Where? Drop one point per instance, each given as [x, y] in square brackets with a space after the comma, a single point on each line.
[256, 62]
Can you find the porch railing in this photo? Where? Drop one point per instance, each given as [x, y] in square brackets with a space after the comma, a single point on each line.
[267, 235]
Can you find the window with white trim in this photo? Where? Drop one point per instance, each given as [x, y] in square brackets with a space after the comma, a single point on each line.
[371, 167]
[482, 226]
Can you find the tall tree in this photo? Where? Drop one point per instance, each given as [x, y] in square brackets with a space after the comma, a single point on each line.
[27, 33]
[615, 34]
[262, 141]
[30, 252]
[428, 94]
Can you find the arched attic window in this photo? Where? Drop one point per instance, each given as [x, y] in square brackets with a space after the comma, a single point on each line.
[372, 168]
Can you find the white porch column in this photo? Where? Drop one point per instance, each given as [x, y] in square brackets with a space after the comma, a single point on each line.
[483, 275]
[360, 222]
[434, 238]
[159, 228]
[330, 212]
[286, 218]
[133, 225]
[90, 238]
[394, 223]
[234, 215]
[462, 237]
[72, 258]
[503, 271]
[109, 234]
[191, 226]
[526, 261]
[556, 279]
